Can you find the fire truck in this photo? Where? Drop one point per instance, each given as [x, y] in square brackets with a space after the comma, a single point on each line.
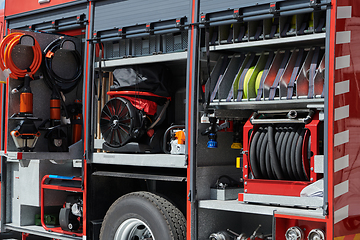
[197, 119]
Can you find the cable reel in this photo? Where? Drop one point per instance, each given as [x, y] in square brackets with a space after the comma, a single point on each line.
[63, 84]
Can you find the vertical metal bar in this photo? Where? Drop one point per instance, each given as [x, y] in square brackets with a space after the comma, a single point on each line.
[3, 158]
[87, 103]
[191, 113]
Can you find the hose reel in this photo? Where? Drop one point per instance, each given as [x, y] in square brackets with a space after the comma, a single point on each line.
[280, 152]
[280, 145]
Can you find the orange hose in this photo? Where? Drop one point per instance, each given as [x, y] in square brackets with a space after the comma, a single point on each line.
[6, 47]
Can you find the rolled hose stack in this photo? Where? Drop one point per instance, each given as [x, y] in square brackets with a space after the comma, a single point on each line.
[279, 152]
[6, 47]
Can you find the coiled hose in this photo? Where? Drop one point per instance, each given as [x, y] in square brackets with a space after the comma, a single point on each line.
[64, 85]
[7, 46]
[276, 152]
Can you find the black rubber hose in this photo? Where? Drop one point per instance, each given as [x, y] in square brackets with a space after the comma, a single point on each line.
[288, 142]
[285, 154]
[277, 134]
[258, 145]
[253, 158]
[275, 163]
[283, 151]
[263, 156]
[269, 170]
[278, 151]
[281, 130]
[299, 157]
[293, 150]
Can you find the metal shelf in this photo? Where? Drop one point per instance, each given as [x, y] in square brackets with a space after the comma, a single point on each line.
[75, 152]
[40, 231]
[166, 57]
[271, 43]
[236, 206]
[270, 105]
[138, 159]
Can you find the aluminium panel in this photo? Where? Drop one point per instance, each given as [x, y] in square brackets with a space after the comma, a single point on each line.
[21, 6]
[249, 7]
[63, 12]
[114, 14]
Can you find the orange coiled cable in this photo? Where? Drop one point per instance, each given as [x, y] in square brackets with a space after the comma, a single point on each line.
[6, 47]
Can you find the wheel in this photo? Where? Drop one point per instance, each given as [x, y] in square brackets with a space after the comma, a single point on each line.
[143, 215]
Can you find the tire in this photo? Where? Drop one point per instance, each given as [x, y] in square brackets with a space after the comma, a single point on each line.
[143, 214]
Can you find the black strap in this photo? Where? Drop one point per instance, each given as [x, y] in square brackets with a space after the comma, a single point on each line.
[100, 72]
[290, 87]
[241, 33]
[278, 76]
[285, 29]
[320, 25]
[265, 71]
[218, 82]
[207, 46]
[313, 66]
[274, 27]
[231, 35]
[258, 32]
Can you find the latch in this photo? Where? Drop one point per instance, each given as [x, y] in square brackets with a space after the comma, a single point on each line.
[179, 22]
[149, 28]
[274, 8]
[122, 32]
[315, 3]
[203, 18]
[237, 14]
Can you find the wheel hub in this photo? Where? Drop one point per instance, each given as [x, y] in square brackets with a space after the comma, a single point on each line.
[133, 229]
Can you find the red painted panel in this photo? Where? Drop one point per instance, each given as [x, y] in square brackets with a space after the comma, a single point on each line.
[283, 224]
[349, 197]
[19, 6]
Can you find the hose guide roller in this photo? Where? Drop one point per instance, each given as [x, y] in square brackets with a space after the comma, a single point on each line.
[279, 150]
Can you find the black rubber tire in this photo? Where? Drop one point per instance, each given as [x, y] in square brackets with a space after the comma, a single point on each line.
[163, 218]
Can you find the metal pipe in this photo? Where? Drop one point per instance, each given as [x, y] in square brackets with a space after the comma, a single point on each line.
[305, 120]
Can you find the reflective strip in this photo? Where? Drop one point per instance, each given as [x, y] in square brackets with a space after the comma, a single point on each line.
[343, 12]
[341, 189]
[342, 62]
[342, 87]
[342, 112]
[341, 214]
[343, 37]
[341, 163]
[341, 138]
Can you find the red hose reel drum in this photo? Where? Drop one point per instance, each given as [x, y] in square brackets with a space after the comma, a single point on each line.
[289, 166]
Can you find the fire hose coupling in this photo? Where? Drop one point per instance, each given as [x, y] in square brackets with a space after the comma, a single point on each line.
[212, 130]
[229, 234]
